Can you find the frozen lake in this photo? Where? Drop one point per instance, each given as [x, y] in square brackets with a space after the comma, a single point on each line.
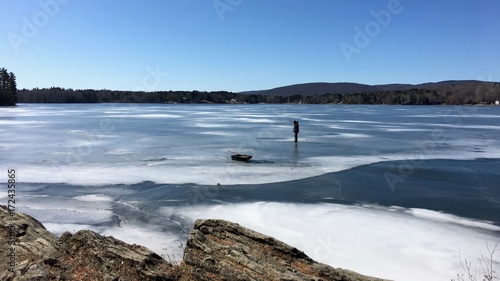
[391, 191]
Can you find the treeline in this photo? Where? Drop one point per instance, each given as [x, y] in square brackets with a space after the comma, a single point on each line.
[453, 95]
[61, 95]
[8, 88]
[409, 97]
[413, 97]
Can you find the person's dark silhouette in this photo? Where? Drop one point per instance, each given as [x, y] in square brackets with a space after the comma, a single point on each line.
[296, 129]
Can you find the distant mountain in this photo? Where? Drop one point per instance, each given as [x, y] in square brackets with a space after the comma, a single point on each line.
[308, 89]
[430, 85]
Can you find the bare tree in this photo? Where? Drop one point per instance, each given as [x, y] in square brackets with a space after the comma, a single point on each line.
[489, 266]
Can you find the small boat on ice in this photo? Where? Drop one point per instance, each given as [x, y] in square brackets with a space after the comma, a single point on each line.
[241, 157]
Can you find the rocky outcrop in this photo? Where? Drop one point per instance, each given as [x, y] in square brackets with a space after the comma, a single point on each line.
[215, 250]
[222, 250]
[85, 255]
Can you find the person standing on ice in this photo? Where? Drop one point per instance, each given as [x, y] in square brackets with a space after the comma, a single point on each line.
[296, 129]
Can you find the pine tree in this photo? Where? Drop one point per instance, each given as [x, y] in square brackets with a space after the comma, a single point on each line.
[3, 86]
[12, 88]
[8, 88]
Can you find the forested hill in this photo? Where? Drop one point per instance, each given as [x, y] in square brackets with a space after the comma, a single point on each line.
[308, 89]
[447, 92]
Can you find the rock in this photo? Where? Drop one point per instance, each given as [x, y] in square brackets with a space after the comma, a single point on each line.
[32, 243]
[94, 257]
[222, 250]
[86, 255]
[215, 250]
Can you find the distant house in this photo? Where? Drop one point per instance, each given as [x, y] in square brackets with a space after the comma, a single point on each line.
[497, 102]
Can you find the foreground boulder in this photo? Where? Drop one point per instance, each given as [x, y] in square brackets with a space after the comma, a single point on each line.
[215, 250]
[222, 250]
[85, 255]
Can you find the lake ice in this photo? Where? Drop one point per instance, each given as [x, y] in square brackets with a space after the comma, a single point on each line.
[390, 191]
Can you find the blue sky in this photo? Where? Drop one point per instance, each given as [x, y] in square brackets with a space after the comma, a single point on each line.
[240, 45]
